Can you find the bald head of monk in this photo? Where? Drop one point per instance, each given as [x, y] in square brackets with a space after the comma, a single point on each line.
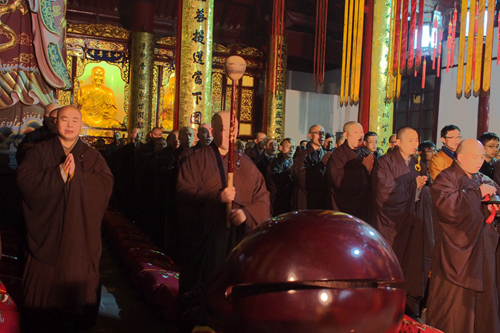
[353, 134]
[407, 141]
[470, 156]
[316, 136]
[220, 129]
[186, 136]
[69, 123]
[49, 108]
[205, 134]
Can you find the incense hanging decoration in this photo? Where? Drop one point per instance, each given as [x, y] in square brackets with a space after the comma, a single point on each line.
[477, 66]
[438, 71]
[352, 50]
[448, 44]
[453, 35]
[320, 42]
[411, 48]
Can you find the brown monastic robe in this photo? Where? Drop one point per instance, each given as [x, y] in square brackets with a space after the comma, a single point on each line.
[206, 240]
[463, 294]
[404, 222]
[63, 222]
[308, 171]
[349, 182]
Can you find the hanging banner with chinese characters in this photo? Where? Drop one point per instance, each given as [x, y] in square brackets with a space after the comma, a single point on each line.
[381, 110]
[195, 89]
[277, 88]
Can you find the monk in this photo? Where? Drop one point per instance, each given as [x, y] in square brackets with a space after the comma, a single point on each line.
[308, 172]
[463, 293]
[279, 178]
[348, 174]
[204, 135]
[66, 186]
[258, 152]
[403, 214]
[202, 196]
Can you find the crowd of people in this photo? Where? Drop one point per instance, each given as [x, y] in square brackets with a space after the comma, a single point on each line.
[429, 206]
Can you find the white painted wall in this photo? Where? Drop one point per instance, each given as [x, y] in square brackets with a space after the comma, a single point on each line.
[463, 112]
[306, 107]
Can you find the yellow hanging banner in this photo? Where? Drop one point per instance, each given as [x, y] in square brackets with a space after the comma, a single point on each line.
[470, 49]
[359, 48]
[479, 49]
[488, 49]
[344, 43]
[349, 54]
[461, 52]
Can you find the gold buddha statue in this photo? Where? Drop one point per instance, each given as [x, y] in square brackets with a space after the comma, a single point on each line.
[97, 102]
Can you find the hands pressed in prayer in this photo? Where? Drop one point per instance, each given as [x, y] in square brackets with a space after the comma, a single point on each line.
[228, 194]
[237, 217]
[368, 162]
[487, 190]
[421, 180]
[69, 165]
[326, 158]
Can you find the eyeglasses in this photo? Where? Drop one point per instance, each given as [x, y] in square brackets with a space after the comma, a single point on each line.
[392, 141]
[493, 147]
[453, 137]
[319, 133]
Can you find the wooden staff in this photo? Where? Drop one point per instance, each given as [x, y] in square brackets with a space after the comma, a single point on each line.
[235, 68]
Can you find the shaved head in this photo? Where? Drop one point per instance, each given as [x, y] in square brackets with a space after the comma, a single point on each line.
[353, 133]
[470, 156]
[50, 107]
[403, 131]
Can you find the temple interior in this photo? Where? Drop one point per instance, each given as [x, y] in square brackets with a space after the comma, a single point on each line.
[147, 64]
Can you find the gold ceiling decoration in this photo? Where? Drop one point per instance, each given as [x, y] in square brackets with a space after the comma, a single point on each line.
[99, 30]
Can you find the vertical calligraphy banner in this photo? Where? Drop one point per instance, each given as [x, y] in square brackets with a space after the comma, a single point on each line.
[195, 88]
[380, 110]
[276, 98]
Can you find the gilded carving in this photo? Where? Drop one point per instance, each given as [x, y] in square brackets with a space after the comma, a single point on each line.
[251, 51]
[246, 104]
[99, 30]
[75, 42]
[154, 97]
[216, 91]
[171, 41]
[220, 48]
[164, 53]
[108, 46]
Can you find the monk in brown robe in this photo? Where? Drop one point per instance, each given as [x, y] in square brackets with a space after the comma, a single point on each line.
[308, 172]
[403, 214]
[463, 293]
[348, 174]
[66, 186]
[202, 196]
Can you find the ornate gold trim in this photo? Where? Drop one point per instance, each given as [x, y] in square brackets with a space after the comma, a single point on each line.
[251, 51]
[170, 41]
[108, 46]
[99, 30]
[220, 48]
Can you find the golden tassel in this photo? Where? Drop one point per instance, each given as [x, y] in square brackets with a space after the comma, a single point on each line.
[470, 48]
[344, 43]
[461, 51]
[479, 49]
[488, 52]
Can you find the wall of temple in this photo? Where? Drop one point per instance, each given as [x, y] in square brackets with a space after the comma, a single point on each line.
[305, 107]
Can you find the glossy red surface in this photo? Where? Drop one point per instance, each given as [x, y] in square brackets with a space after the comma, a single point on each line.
[312, 246]
[322, 310]
[308, 271]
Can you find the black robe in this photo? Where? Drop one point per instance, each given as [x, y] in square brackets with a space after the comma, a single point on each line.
[63, 222]
[206, 240]
[308, 171]
[280, 184]
[463, 294]
[349, 182]
[406, 224]
[260, 159]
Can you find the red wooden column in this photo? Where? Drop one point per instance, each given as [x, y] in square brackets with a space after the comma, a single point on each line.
[366, 67]
[483, 112]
